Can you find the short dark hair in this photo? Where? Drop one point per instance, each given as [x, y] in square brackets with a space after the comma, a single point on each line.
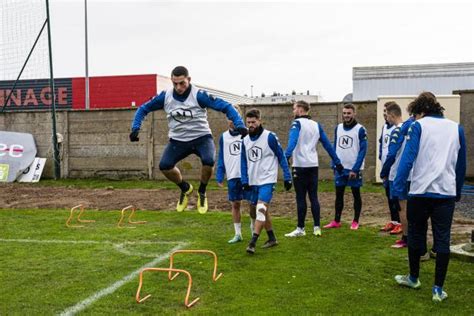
[253, 113]
[393, 108]
[180, 71]
[349, 106]
[426, 103]
[304, 105]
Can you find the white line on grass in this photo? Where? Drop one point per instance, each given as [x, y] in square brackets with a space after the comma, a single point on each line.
[117, 246]
[112, 288]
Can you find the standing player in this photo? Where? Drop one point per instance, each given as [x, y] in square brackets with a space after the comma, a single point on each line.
[389, 168]
[436, 151]
[189, 132]
[228, 164]
[303, 137]
[394, 226]
[261, 154]
[350, 143]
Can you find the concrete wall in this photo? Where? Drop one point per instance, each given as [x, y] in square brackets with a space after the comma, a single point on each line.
[96, 142]
[467, 121]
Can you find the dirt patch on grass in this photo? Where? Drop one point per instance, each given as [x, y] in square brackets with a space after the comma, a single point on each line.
[374, 211]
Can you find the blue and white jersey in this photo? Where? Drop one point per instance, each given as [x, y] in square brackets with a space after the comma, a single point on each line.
[303, 138]
[187, 120]
[436, 151]
[260, 156]
[351, 146]
[395, 150]
[384, 141]
[228, 162]
[186, 113]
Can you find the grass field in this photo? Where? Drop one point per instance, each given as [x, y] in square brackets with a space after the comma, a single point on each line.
[47, 268]
[323, 186]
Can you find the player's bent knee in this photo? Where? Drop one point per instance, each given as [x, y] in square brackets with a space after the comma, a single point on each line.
[261, 210]
[165, 166]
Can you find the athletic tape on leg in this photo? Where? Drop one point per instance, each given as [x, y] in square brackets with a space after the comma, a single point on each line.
[261, 210]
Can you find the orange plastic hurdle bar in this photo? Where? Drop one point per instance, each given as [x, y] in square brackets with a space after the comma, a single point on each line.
[215, 277]
[169, 270]
[68, 221]
[132, 213]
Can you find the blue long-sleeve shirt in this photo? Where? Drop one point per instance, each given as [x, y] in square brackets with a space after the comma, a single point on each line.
[204, 100]
[220, 170]
[362, 148]
[294, 135]
[410, 153]
[275, 146]
[396, 141]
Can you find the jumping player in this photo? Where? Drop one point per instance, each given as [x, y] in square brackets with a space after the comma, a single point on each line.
[189, 132]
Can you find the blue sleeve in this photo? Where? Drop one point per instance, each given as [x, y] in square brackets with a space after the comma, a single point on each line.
[335, 139]
[327, 145]
[278, 151]
[293, 136]
[396, 142]
[220, 162]
[208, 101]
[362, 150]
[461, 162]
[157, 103]
[244, 176]
[408, 158]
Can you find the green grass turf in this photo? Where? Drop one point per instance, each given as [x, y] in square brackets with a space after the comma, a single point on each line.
[344, 272]
[324, 185]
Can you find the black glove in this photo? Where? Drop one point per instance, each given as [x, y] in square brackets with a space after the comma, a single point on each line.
[243, 131]
[339, 168]
[288, 184]
[458, 197]
[246, 187]
[134, 135]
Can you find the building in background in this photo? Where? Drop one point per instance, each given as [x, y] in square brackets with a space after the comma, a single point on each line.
[286, 98]
[105, 92]
[370, 82]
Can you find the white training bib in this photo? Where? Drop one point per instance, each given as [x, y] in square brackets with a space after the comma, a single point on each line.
[186, 120]
[305, 154]
[231, 149]
[434, 170]
[386, 132]
[262, 163]
[348, 145]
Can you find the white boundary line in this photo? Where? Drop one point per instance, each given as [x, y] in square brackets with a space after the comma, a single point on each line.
[113, 287]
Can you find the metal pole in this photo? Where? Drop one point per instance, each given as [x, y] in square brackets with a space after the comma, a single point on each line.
[87, 58]
[57, 170]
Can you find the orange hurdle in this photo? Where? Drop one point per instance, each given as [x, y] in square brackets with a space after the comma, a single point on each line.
[120, 223]
[215, 277]
[169, 270]
[68, 221]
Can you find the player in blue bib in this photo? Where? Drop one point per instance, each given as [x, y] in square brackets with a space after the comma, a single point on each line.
[189, 133]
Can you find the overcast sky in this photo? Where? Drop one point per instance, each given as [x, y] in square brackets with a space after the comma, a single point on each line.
[274, 46]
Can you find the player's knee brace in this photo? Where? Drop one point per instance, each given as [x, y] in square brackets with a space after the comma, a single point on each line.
[261, 210]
